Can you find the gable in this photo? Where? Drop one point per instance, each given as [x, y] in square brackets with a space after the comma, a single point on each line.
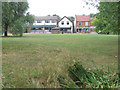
[64, 18]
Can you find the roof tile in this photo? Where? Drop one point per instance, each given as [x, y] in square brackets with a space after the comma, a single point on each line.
[45, 17]
[83, 18]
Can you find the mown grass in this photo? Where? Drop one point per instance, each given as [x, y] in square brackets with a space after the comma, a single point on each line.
[37, 60]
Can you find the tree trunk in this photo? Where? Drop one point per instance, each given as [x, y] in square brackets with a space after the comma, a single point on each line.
[21, 34]
[6, 28]
[5, 33]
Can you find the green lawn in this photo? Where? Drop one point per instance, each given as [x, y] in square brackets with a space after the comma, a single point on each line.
[37, 60]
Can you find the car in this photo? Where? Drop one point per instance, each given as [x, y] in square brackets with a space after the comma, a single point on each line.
[99, 32]
[103, 33]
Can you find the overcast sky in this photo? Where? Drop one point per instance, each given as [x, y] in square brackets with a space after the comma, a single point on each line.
[59, 7]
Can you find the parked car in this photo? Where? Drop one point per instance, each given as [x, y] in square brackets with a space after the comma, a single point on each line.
[99, 32]
[103, 33]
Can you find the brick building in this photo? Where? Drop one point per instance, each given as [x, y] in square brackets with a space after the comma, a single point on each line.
[83, 23]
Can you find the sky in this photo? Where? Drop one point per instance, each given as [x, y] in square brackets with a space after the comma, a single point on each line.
[59, 7]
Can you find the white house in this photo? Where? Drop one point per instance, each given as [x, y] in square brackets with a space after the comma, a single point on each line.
[65, 25]
[44, 23]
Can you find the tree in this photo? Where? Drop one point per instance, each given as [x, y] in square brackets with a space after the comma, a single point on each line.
[109, 13]
[58, 17]
[72, 19]
[12, 12]
[92, 15]
[100, 25]
[19, 27]
[29, 19]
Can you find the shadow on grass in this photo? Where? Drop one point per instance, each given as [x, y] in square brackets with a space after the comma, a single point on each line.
[14, 36]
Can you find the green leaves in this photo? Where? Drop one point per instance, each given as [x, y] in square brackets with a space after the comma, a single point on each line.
[29, 19]
[85, 79]
[109, 14]
[11, 16]
[19, 27]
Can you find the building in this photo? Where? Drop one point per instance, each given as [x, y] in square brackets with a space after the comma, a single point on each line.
[83, 23]
[44, 23]
[65, 25]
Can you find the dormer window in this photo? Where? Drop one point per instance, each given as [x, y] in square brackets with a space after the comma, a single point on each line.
[67, 23]
[62, 23]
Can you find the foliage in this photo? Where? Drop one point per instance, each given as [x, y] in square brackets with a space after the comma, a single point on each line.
[58, 17]
[100, 25]
[92, 15]
[82, 78]
[19, 27]
[72, 18]
[29, 19]
[12, 12]
[109, 14]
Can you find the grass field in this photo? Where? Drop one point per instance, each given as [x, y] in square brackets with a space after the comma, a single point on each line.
[37, 60]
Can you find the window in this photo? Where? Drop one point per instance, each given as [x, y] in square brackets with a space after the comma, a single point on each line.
[39, 21]
[46, 28]
[47, 21]
[53, 21]
[40, 28]
[62, 23]
[67, 23]
[79, 22]
[86, 23]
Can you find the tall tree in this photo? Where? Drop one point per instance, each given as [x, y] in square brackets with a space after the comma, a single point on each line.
[12, 12]
[108, 14]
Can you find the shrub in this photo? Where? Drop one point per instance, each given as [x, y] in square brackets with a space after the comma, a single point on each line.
[81, 78]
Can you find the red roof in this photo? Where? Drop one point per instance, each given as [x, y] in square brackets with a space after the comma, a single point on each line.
[83, 18]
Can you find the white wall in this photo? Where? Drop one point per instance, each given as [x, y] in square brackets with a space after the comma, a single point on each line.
[65, 23]
[43, 23]
[65, 20]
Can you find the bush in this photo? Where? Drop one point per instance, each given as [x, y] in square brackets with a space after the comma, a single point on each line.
[81, 78]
